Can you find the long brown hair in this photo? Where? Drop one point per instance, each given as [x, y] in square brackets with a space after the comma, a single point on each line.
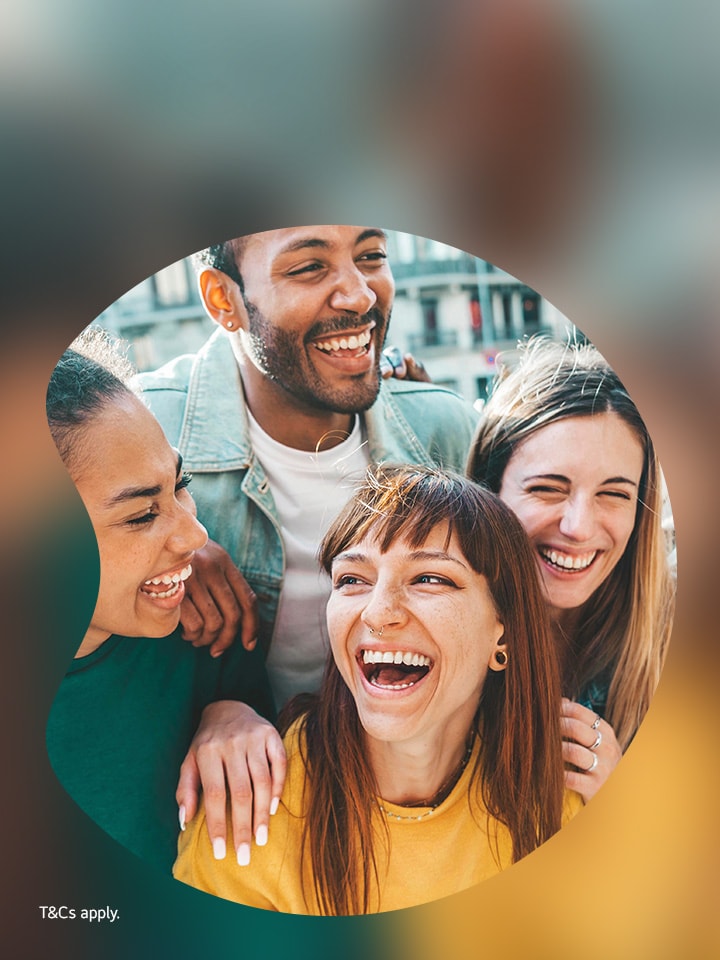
[625, 625]
[519, 769]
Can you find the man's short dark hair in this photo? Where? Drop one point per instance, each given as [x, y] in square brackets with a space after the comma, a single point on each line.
[222, 256]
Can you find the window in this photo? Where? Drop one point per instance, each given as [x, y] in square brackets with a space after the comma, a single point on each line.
[172, 287]
[405, 247]
[429, 315]
[476, 318]
[531, 313]
[481, 385]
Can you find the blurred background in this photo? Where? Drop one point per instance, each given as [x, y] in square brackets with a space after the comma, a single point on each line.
[575, 145]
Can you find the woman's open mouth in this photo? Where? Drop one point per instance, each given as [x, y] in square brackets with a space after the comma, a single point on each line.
[565, 562]
[171, 583]
[393, 669]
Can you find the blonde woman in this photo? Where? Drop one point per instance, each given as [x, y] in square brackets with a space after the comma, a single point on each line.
[563, 444]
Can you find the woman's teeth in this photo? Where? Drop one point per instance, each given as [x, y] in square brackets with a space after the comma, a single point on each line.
[172, 580]
[396, 656]
[354, 342]
[566, 562]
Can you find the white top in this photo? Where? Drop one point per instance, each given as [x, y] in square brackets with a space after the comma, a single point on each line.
[309, 490]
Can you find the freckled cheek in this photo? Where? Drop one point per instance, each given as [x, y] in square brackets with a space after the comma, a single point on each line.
[339, 630]
[126, 570]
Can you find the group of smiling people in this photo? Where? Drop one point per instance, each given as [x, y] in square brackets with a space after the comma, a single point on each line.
[496, 637]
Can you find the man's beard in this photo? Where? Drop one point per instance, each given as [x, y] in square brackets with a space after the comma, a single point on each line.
[283, 358]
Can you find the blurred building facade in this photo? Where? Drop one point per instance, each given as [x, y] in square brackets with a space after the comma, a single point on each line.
[456, 312]
[452, 311]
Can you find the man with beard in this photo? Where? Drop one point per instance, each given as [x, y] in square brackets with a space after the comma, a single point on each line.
[276, 417]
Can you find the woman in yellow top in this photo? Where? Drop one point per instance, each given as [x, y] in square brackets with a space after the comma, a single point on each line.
[431, 758]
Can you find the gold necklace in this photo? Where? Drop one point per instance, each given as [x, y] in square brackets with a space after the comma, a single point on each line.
[439, 796]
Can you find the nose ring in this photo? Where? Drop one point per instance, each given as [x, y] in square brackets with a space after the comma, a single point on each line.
[379, 633]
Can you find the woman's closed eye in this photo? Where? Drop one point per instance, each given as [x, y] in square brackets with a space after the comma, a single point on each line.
[617, 494]
[151, 514]
[153, 511]
[546, 490]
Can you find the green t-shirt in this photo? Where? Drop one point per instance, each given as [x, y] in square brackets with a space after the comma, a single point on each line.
[121, 724]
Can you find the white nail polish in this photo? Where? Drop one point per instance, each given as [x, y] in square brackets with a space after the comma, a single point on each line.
[261, 837]
[274, 804]
[181, 816]
[218, 846]
[243, 854]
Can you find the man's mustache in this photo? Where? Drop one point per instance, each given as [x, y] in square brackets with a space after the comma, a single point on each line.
[340, 325]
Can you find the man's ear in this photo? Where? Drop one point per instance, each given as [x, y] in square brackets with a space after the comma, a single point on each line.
[222, 299]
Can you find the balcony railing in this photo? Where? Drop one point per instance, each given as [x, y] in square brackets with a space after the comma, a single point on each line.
[432, 338]
[429, 268]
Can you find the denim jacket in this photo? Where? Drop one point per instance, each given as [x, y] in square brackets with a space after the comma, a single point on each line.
[200, 404]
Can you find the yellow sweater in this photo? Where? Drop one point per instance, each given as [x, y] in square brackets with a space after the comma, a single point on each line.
[448, 851]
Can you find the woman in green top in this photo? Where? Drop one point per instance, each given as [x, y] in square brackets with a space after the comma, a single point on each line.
[125, 714]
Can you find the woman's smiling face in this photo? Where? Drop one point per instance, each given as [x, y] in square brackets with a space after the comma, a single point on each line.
[428, 610]
[574, 486]
[133, 488]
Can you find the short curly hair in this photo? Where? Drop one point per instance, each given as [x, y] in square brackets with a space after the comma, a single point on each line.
[90, 374]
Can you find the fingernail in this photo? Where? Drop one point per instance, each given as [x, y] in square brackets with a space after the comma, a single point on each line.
[243, 854]
[274, 804]
[216, 653]
[261, 836]
[181, 816]
[219, 848]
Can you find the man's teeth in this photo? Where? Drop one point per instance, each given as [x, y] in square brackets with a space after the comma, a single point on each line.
[345, 343]
[171, 580]
[396, 656]
[568, 562]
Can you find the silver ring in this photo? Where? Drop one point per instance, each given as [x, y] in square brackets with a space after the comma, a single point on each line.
[592, 765]
[379, 632]
[596, 722]
[597, 742]
[394, 357]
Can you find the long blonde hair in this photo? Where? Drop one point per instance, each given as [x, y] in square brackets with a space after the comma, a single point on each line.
[625, 625]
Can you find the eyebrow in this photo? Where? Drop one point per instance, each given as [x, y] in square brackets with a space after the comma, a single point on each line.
[435, 555]
[316, 242]
[350, 556]
[134, 493]
[561, 478]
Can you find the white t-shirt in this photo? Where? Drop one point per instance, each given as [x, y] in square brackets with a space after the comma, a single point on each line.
[309, 490]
